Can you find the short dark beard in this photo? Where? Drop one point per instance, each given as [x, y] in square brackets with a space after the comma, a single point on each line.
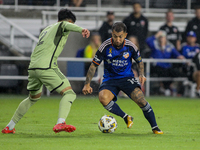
[118, 47]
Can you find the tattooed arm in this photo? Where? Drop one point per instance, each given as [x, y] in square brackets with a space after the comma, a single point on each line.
[91, 71]
[141, 68]
[141, 73]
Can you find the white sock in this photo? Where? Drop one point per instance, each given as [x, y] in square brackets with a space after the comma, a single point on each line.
[60, 120]
[11, 125]
[154, 127]
[125, 115]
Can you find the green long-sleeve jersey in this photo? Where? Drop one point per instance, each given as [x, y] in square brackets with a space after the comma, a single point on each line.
[51, 43]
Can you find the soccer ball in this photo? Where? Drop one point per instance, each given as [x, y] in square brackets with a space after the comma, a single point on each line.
[107, 124]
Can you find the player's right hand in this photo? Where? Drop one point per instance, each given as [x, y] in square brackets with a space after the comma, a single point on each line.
[142, 79]
[85, 33]
[87, 89]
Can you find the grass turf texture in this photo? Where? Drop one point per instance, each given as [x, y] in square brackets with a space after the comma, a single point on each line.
[177, 117]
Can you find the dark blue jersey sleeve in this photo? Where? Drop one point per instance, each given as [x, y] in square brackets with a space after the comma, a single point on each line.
[98, 58]
[101, 53]
[136, 54]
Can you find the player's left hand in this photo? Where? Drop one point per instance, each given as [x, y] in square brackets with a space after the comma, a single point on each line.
[142, 79]
[85, 33]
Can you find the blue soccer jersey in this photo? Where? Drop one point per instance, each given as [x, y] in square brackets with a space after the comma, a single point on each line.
[117, 62]
[190, 51]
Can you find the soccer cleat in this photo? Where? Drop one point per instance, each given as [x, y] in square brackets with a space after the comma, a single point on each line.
[157, 131]
[129, 121]
[6, 130]
[63, 127]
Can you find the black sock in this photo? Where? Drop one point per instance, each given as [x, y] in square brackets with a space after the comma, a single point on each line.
[149, 115]
[125, 119]
[115, 109]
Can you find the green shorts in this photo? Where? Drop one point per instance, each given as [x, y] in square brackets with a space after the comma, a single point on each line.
[53, 79]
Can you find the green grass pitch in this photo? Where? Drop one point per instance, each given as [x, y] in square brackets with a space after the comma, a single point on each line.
[179, 118]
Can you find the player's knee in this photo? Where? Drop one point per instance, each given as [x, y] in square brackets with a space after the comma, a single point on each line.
[71, 94]
[35, 96]
[141, 101]
[65, 89]
[103, 102]
[104, 99]
[138, 97]
[33, 100]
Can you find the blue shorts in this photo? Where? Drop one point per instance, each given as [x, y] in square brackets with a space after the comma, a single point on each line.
[127, 85]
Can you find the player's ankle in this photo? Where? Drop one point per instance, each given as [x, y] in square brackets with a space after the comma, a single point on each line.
[60, 120]
[11, 125]
[125, 118]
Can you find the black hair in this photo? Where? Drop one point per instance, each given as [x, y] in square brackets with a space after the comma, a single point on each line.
[64, 14]
[119, 26]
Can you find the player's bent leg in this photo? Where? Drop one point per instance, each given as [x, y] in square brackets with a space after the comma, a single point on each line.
[64, 108]
[24, 106]
[106, 98]
[138, 97]
[20, 112]
[65, 104]
[55, 80]
[35, 88]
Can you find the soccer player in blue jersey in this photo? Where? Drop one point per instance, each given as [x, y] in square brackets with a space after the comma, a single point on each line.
[117, 54]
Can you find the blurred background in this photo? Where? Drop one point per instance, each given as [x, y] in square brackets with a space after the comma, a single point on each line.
[157, 27]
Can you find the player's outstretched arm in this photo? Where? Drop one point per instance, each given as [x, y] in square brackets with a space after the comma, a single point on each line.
[85, 33]
[91, 71]
[142, 78]
[74, 28]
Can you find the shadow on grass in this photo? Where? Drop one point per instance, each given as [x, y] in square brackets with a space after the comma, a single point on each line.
[80, 135]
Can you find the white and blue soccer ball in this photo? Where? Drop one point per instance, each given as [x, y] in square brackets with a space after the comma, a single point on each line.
[107, 124]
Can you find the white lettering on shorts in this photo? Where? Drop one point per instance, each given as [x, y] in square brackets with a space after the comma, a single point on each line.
[133, 81]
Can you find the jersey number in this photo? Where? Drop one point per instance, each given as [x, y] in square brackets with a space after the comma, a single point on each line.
[40, 40]
[133, 81]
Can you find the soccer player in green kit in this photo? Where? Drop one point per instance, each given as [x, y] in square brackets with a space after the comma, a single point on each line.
[43, 70]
